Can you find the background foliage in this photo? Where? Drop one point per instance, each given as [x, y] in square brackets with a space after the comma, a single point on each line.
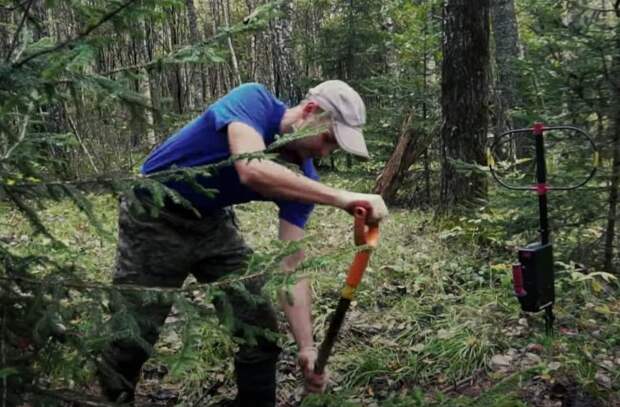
[88, 88]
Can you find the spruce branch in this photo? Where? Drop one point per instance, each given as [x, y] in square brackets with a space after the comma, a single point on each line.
[259, 16]
[18, 31]
[171, 58]
[270, 153]
[267, 269]
[15, 7]
[78, 37]
[21, 136]
[84, 285]
[30, 214]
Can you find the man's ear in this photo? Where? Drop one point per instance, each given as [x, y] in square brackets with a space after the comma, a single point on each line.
[309, 108]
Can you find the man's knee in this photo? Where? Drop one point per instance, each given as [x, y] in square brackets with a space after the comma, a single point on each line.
[262, 351]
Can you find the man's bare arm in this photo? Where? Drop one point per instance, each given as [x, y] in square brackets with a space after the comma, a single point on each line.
[297, 308]
[298, 314]
[273, 180]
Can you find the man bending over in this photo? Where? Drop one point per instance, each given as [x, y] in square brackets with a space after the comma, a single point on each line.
[162, 251]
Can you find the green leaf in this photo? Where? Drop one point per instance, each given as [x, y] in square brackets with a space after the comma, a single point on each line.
[8, 371]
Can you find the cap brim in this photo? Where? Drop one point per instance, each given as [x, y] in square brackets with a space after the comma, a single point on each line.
[351, 139]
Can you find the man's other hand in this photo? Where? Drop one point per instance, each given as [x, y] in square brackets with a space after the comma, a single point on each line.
[348, 199]
[314, 383]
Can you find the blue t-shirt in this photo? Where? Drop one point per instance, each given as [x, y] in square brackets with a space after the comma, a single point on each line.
[205, 141]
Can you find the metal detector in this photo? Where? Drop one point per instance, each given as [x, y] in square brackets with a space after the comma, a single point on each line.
[533, 276]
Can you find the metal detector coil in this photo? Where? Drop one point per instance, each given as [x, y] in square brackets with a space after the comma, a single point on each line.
[533, 276]
[521, 132]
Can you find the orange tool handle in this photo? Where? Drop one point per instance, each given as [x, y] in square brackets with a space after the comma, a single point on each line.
[370, 238]
[362, 236]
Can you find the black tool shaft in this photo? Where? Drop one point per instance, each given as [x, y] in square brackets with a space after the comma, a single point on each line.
[541, 178]
[332, 335]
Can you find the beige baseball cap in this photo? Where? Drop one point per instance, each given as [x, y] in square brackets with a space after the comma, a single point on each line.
[347, 111]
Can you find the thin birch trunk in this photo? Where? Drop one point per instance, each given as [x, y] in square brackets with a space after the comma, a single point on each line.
[233, 56]
[151, 90]
[195, 78]
[506, 38]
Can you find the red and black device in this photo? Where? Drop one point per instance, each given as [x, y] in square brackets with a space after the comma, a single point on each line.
[363, 235]
[533, 275]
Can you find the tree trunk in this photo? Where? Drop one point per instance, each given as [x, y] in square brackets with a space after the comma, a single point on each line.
[253, 51]
[176, 77]
[285, 70]
[233, 55]
[153, 93]
[221, 85]
[614, 80]
[216, 85]
[506, 38]
[385, 182]
[464, 90]
[195, 85]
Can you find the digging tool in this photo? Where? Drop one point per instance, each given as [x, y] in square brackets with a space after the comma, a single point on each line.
[533, 276]
[362, 237]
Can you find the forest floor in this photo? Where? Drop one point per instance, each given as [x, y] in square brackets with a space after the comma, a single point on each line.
[434, 322]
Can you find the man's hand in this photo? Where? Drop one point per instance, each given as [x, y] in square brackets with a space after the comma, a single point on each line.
[347, 200]
[314, 383]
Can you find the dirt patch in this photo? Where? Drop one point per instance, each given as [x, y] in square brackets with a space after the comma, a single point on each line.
[564, 392]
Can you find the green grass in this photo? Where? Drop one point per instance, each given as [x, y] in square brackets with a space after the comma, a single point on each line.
[434, 307]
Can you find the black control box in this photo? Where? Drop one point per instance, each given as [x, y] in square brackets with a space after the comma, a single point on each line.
[533, 277]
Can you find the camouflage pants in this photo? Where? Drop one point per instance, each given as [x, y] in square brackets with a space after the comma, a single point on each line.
[161, 252]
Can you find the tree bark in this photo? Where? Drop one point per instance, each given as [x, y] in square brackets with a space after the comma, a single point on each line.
[612, 212]
[464, 100]
[233, 55]
[175, 76]
[221, 82]
[410, 146]
[506, 37]
[196, 78]
[285, 69]
[253, 52]
[153, 93]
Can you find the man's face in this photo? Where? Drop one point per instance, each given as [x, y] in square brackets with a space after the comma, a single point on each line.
[319, 145]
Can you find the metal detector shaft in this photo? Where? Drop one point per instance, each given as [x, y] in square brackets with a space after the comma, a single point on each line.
[542, 188]
[362, 237]
[541, 179]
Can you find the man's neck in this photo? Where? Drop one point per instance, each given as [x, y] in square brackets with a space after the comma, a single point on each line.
[290, 156]
[289, 118]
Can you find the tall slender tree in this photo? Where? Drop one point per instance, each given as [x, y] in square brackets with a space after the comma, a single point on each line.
[197, 78]
[506, 39]
[285, 67]
[464, 100]
[614, 81]
[233, 54]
